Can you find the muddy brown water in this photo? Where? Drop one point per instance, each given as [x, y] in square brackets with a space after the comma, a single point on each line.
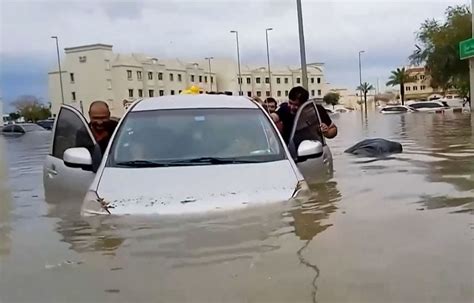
[393, 230]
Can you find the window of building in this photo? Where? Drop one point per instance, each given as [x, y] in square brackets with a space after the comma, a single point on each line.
[312, 80]
[249, 80]
[286, 93]
[422, 77]
[279, 93]
[180, 78]
[286, 80]
[151, 93]
[172, 92]
[319, 80]
[109, 83]
[319, 92]
[212, 79]
[312, 92]
[422, 87]
[415, 87]
[71, 75]
[200, 79]
[201, 92]
[130, 92]
[107, 64]
[73, 95]
[267, 93]
[259, 93]
[179, 91]
[192, 78]
[267, 80]
[140, 93]
[150, 75]
[139, 75]
[239, 80]
[278, 80]
[407, 88]
[161, 92]
[129, 74]
[82, 59]
[257, 80]
[298, 80]
[160, 76]
[171, 77]
[205, 79]
[249, 94]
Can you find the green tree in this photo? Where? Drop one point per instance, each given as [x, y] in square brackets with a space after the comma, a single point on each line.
[438, 49]
[331, 98]
[399, 77]
[364, 88]
[30, 108]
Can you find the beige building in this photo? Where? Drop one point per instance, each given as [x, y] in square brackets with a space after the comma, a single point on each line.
[352, 99]
[420, 89]
[95, 72]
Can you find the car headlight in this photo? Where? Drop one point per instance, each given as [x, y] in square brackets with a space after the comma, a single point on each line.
[302, 188]
[94, 205]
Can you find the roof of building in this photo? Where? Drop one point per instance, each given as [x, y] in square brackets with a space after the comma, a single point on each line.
[193, 102]
[88, 47]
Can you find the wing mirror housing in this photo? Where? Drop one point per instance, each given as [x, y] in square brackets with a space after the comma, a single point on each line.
[309, 149]
[78, 157]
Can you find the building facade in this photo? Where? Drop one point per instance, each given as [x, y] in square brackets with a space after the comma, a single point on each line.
[95, 72]
[420, 88]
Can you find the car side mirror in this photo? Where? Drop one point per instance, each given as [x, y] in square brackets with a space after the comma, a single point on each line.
[309, 149]
[78, 157]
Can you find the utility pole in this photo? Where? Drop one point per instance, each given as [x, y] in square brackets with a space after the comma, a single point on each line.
[210, 75]
[60, 72]
[304, 70]
[268, 60]
[238, 61]
[360, 75]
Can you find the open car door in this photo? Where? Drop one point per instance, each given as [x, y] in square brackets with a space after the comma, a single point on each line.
[308, 146]
[60, 181]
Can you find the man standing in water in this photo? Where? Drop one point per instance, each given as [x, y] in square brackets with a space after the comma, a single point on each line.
[286, 114]
[101, 125]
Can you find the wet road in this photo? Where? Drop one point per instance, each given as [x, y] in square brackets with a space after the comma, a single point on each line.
[394, 230]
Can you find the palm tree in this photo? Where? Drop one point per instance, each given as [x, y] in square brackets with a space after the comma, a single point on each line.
[364, 89]
[400, 77]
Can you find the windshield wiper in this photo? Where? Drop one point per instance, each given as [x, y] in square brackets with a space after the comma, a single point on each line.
[212, 160]
[142, 163]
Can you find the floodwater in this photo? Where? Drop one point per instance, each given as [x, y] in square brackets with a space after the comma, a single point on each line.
[394, 230]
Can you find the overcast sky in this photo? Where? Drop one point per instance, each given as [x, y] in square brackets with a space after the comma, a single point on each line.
[334, 32]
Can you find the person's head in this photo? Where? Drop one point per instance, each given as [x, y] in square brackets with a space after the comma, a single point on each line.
[297, 96]
[99, 115]
[271, 105]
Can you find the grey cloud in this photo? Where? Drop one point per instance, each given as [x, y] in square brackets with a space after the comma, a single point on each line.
[123, 9]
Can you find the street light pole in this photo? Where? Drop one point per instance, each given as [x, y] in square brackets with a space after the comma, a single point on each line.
[304, 71]
[268, 60]
[238, 61]
[360, 74]
[59, 65]
[210, 75]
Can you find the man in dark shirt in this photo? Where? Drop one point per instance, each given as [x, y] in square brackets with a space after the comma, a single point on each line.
[285, 115]
[101, 125]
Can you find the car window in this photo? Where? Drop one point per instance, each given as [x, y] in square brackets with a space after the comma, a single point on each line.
[7, 129]
[307, 125]
[395, 109]
[70, 132]
[172, 135]
[18, 129]
[426, 105]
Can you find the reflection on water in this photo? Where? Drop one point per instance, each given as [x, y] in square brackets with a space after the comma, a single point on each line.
[398, 229]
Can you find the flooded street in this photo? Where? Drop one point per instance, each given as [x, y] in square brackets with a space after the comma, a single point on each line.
[399, 229]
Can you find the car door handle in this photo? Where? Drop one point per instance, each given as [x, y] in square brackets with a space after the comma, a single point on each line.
[52, 172]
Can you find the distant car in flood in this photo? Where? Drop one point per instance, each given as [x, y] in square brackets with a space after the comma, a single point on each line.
[396, 109]
[21, 129]
[46, 124]
[429, 106]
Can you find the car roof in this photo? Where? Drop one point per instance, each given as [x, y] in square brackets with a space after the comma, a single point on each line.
[193, 101]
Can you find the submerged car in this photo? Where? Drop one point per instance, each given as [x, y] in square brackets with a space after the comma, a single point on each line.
[21, 129]
[396, 109]
[186, 153]
[429, 106]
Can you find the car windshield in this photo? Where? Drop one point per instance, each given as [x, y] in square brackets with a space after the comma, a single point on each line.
[195, 137]
[426, 105]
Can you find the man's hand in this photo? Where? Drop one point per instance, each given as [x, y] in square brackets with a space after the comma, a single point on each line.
[329, 131]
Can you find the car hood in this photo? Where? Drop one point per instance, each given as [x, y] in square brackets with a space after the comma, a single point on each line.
[190, 189]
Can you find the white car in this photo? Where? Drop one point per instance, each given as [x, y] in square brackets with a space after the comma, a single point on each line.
[396, 109]
[429, 106]
[186, 153]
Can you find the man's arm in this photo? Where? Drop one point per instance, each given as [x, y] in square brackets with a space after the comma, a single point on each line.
[328, 128]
